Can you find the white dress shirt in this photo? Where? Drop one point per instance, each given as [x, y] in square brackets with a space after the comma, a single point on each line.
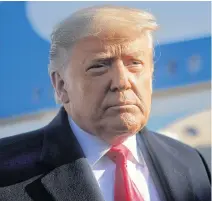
[104, 168]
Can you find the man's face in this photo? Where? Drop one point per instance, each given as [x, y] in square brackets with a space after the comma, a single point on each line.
[109, 87]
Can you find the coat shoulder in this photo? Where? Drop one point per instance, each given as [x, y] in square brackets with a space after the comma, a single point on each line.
[171, 141]
[19, 156]
[187, 153]
[15, 142]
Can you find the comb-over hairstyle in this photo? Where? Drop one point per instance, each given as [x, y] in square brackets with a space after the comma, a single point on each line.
[114, 24]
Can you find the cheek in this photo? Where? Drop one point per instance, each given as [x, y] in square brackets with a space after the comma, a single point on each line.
[147, 86]
[143, 81]
[74, 87]
[91, 92]
[144, 87]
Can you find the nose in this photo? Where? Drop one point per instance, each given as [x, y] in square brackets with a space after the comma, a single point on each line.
[120, 80]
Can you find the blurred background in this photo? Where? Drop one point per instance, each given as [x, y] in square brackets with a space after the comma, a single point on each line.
[181, 105]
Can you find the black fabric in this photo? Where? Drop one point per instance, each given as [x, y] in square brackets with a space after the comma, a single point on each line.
[152, 165]
[49, 165]
[179, 167]
[206, 165]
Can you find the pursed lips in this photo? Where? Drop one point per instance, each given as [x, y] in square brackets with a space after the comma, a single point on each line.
[122, 104]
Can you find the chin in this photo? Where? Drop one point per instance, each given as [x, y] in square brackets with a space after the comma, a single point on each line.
[127, 123]
[121, 125]
[131, 121]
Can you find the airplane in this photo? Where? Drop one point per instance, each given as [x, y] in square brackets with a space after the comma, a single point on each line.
[182, 76]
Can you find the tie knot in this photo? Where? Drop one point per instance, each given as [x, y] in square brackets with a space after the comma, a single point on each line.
[118, 154]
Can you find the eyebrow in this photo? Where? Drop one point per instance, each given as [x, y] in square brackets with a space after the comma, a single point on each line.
[105, 56]
[105, 59]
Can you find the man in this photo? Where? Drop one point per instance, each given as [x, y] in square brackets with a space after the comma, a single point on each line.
[98, 148]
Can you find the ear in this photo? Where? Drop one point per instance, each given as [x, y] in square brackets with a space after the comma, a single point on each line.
[59, 87]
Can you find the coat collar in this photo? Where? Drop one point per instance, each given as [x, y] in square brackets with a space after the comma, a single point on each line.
[60, 145]
[68, 175]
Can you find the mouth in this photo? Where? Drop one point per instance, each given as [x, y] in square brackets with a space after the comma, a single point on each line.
[122, 106]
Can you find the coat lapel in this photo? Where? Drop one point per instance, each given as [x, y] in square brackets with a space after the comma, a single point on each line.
[172, 176]
[68, 175]
[73, 182]
[145, 157]
[60, 145]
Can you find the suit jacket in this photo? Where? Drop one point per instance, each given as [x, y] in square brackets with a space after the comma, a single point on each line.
[49, 165]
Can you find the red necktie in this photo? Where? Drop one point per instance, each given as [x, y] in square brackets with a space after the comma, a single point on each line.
[125, 189]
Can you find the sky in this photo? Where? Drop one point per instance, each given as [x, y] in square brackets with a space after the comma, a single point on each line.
[177, 20]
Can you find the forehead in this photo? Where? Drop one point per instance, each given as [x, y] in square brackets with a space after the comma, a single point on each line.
[93, 46]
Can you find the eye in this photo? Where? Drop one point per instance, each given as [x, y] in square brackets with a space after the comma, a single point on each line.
[97, 66]
[135, 63]
[98, 69]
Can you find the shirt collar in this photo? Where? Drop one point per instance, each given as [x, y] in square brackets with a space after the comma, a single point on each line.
[131, 144]
[94, 148]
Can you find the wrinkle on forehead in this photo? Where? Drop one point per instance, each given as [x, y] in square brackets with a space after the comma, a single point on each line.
[132, 48]
[129, 47]
[95, 48]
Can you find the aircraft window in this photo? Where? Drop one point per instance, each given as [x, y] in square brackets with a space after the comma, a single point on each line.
[36, 94]
[172, 67]
[194, 63]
